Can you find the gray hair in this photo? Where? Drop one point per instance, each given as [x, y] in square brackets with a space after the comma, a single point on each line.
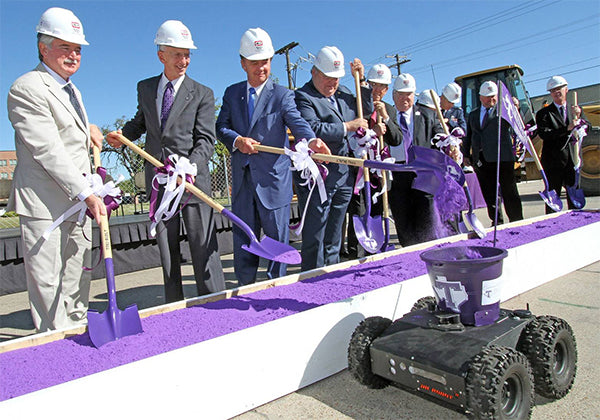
[46, 40]
[161, 47]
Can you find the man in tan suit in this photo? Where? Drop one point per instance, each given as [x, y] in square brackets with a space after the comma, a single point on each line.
[52, 140]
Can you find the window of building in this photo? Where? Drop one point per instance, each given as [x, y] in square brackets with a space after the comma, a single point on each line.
[4, 175]
[2, 162]
[13, 162]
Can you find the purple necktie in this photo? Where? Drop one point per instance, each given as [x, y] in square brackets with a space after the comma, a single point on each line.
[406, 136]
[167, 103]
[485, 116]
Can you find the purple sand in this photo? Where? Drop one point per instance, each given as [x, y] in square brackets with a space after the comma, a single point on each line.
[34, 368]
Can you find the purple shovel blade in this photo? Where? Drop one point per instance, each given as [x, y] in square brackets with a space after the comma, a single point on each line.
[267, 248]
[273, 250]
[576, 194]
[370, 233]
[113, 323]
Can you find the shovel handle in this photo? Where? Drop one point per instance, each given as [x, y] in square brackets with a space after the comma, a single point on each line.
[103, 222]
[358, 95]
[439, 112]
[188, 186]
[386, 206]
[344, 160]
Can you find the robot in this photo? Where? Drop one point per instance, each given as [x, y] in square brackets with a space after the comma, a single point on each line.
[479, 359]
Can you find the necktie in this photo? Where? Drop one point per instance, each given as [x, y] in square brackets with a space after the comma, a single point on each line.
[167, 103]
[562, 112]
[74, 101]
[485, 116]
[251, 99]
[406, 136]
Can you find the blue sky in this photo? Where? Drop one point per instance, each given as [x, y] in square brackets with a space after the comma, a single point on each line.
[443, 39]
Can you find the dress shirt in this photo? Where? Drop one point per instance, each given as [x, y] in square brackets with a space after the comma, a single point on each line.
[160, 91]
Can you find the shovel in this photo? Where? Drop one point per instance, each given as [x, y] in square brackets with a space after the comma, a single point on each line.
[267, 248]
[549, 196]
[574, 192]
[113, 323]
[386, 206]
[469, 222]
[369, 231]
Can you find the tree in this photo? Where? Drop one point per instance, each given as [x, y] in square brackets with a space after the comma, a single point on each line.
[115, 159]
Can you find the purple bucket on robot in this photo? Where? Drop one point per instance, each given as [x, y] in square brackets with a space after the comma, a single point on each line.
[465, 280]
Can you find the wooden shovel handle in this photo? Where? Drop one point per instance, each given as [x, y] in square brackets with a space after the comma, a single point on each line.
[439, 112]
[188, 186]
[344, 160]
[103, 222]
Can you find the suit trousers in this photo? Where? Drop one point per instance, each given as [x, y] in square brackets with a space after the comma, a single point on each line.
[559, 177]
[274, 223]
[486, 175]
[322, 232]
[58, 286]
[204, 249]
[414, 213]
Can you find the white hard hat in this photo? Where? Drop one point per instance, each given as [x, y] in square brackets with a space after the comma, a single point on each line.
[62, 24]
[452, 92]
[380, 73]
[174, 33]
[488, 88]
[426, 99]
[555, 81]
[256, 45]
[405, 83]
[330, 61]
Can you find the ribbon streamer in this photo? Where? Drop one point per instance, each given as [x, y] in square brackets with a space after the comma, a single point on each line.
[312, 174]
[445, 142]
[174, 167]
[108, 192]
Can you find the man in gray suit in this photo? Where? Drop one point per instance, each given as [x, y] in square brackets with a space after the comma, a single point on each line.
[178, 116]
[52, 140]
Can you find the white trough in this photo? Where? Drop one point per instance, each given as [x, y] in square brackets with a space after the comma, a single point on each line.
[251, 367]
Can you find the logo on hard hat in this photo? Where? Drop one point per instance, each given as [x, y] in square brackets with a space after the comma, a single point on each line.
[380, 72]
[185, 33]
[405, 82]
[76, 25]
[336, 63]
[258, 44]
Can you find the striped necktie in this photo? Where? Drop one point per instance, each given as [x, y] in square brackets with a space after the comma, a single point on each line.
[74, 101]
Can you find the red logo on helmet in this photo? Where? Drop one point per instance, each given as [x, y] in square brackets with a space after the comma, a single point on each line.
[380, 72]
[258, 44]
[75, 25]
[336, 64]
[185, 33]
[405, 82]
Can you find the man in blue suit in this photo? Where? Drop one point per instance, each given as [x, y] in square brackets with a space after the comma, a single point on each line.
[257, 111]
[331, 111]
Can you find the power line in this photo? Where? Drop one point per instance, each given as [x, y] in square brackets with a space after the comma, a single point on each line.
[566, 72]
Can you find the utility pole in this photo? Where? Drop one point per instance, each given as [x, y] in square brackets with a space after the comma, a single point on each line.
[286, 50]
[399, 62]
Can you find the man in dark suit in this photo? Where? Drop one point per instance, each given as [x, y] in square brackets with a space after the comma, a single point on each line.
[480, 149]
[258, 111]
[379, 78]
[554, 124]
[185, 128]
[414, 212]
[331, 111]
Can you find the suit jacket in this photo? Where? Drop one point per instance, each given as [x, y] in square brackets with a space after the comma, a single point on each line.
[554, 133]
[425, 126]
[485, 139]
[393, 134]
[52, 145]
[456, 118]
[328, 122]
[274, 111]
[188, 132]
